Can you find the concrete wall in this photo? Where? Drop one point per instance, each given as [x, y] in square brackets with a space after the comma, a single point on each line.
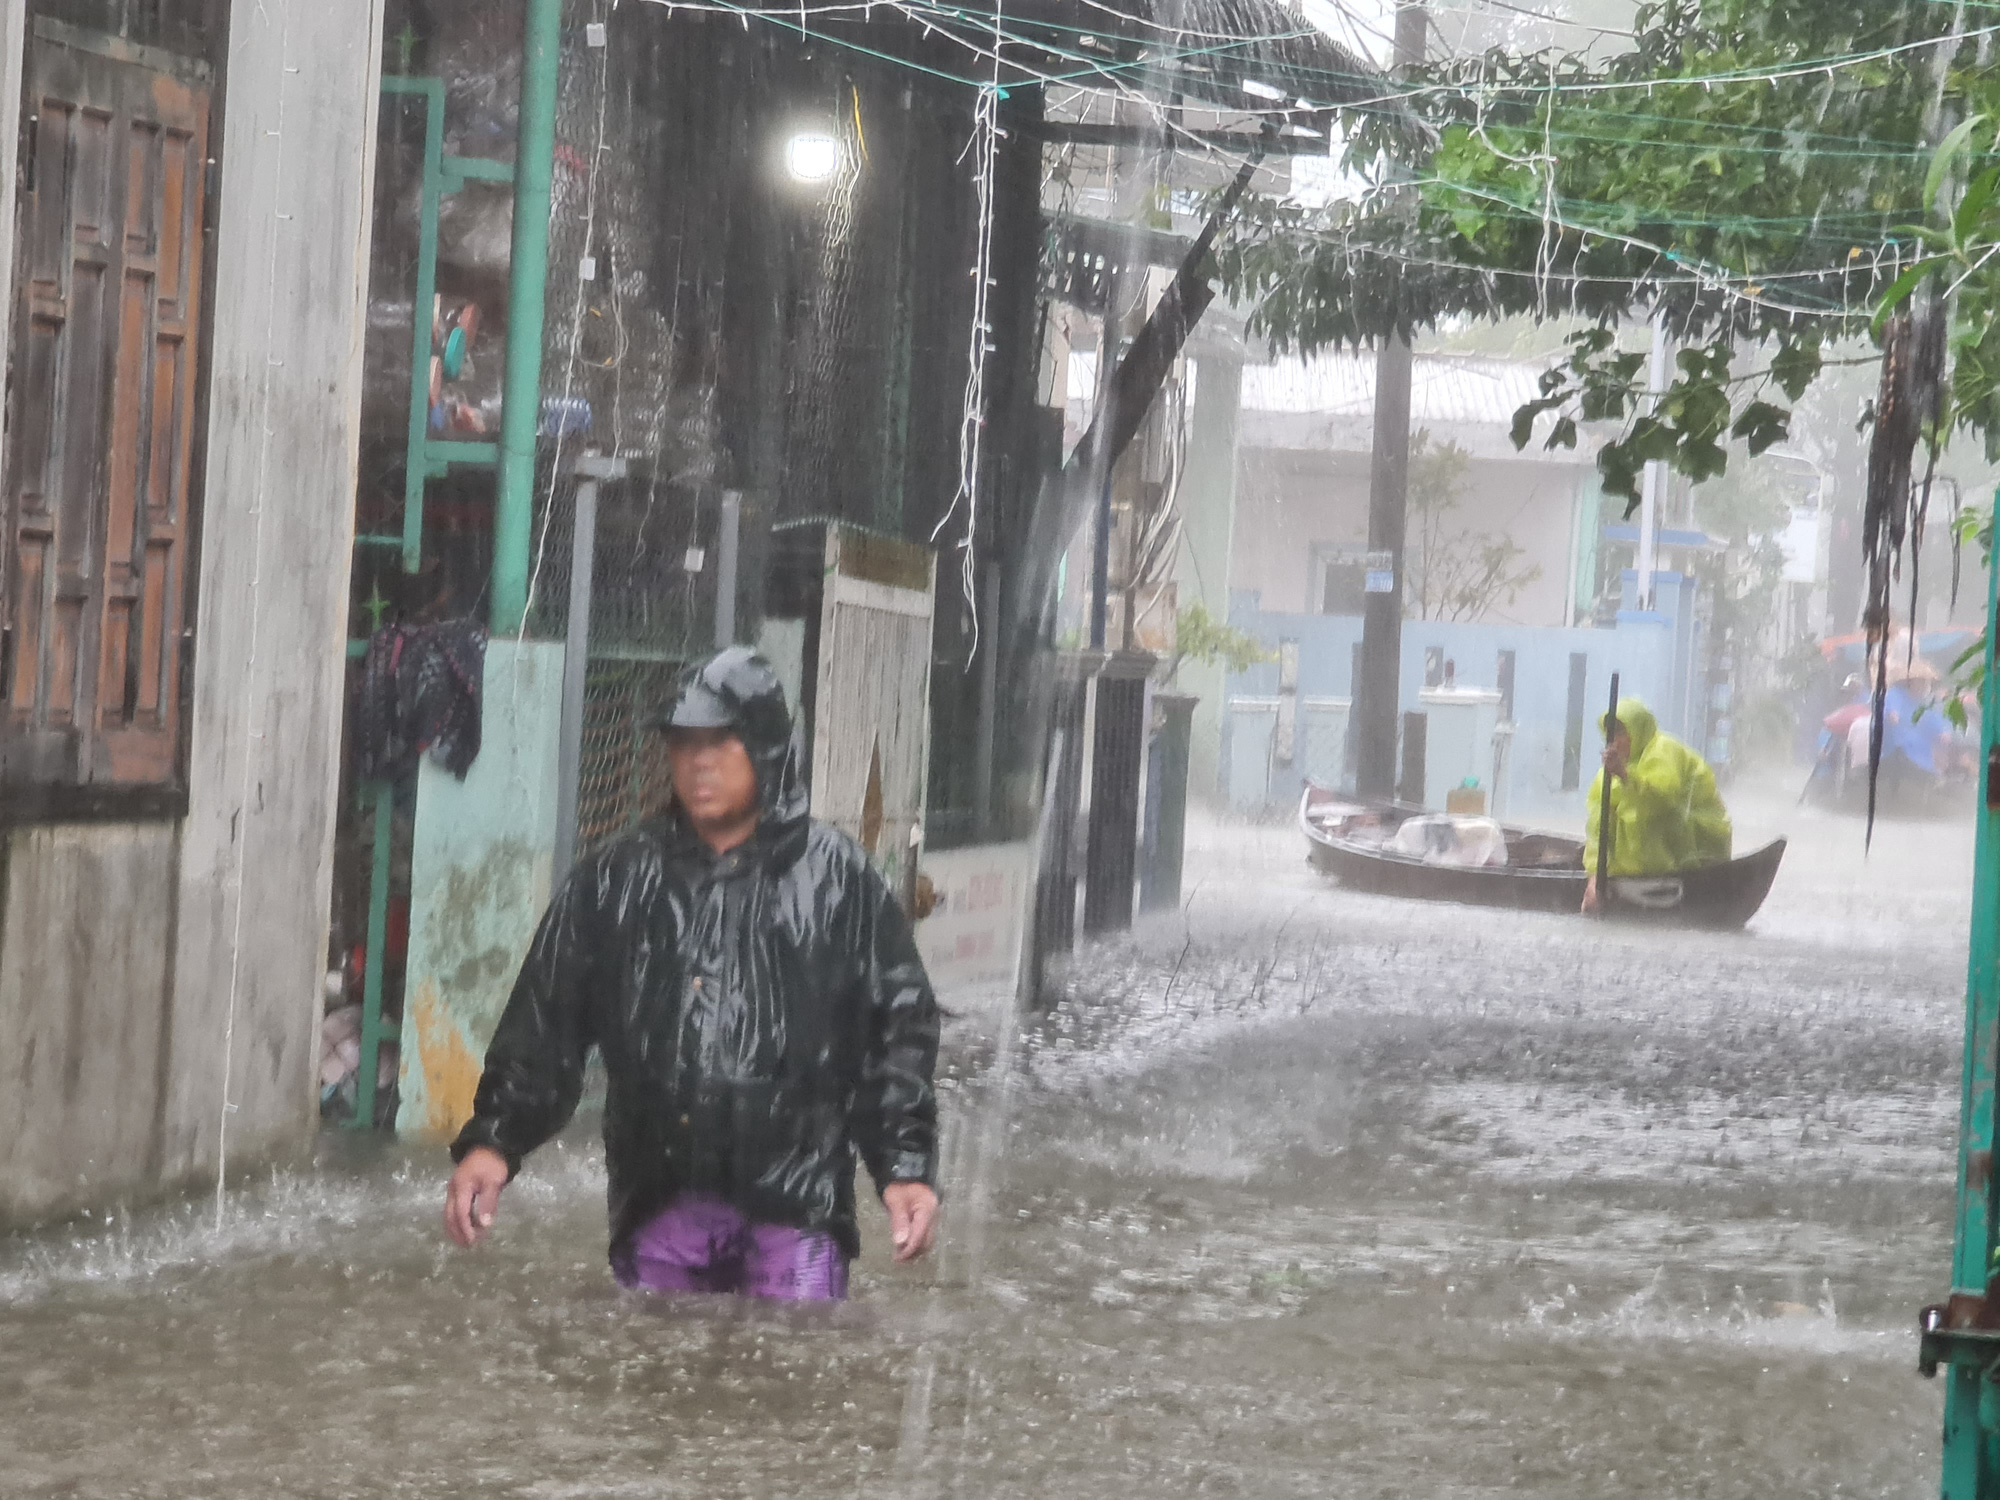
[84, 1010]
[165, 970]
[1290, 500]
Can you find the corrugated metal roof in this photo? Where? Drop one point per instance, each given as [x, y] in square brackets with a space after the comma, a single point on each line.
[1445, 389]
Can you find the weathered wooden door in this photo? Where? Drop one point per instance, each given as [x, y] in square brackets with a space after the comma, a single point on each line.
[107, 279]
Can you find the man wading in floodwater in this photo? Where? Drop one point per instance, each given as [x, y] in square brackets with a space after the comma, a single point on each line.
[762, 1013]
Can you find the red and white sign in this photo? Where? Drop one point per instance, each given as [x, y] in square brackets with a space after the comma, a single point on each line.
[973, 935]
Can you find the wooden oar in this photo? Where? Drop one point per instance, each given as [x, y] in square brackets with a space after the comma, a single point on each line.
[1604, 808]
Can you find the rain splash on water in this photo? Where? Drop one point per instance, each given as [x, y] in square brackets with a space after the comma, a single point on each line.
[1297, 1192]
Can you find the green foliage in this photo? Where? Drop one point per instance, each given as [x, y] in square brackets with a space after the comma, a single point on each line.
[1971, 527]
[1696, 416]
[1199, 636]
[1715, 175]
[1960, 261]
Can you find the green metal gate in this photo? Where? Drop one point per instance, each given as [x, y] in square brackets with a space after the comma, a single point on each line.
[1963, 1333]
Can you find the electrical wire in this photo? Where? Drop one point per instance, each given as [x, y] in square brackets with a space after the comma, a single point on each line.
[984, 147]
[939, 17]
[1536, 15]
[1555, 212]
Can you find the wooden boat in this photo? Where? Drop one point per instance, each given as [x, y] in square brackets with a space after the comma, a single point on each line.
[1345, 838]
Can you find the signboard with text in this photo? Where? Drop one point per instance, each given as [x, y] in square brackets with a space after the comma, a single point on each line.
[973, 935]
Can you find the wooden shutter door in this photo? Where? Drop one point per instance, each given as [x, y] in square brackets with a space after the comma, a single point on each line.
[108, 277]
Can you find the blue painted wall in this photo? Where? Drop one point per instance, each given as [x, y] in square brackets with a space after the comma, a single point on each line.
[1642, 649]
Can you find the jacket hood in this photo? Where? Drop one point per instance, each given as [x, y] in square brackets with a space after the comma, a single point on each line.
[1639, 723]
[746, 688]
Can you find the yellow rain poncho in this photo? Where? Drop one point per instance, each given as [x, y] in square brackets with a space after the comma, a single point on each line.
[1665, 811]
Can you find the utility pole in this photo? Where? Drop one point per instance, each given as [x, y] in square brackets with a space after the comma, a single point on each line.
[527, 279]
[1652, 493]
[1110, 330]
[1376, 694]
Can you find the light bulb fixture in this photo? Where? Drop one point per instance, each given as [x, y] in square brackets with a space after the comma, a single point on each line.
[812, 156]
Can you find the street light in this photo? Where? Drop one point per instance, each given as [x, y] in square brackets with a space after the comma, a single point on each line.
[812, 156]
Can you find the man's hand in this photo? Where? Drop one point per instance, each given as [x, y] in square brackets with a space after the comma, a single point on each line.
[912, 1218]
[1590, 894]
[473, 1194]
[1617, 749]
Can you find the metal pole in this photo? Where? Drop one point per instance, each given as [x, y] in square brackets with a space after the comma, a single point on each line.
[415, 472]
[1376, 695]
[990, 636]
[527, 277]
[373, 1032]
[576, 655]
[1604, 821]
[576, 658]
[1651, 491]
[1970, 1472]
[725, 568]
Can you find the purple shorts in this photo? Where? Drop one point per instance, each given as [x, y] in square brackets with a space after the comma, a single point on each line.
[701, 1244]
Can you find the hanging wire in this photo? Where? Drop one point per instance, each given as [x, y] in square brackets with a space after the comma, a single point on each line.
[984, 148]
[942, 20]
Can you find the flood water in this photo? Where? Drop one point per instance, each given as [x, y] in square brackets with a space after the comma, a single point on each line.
[1300, 1194]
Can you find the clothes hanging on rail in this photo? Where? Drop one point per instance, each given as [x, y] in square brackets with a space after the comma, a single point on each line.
[420, 691]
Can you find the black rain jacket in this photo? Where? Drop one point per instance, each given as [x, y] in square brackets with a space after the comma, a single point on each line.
[761, 1014]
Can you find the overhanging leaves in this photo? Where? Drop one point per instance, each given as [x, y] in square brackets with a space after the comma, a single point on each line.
[1743, 214]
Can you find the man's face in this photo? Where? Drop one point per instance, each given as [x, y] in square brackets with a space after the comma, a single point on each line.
[713, 776]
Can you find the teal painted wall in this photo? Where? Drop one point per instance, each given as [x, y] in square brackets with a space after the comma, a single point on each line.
[480, 879]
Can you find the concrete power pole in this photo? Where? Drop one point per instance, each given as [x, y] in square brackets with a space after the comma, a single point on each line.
[1653, 491]
[1376, 695]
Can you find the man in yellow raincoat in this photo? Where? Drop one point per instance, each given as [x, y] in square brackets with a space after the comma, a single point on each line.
[1666, 814]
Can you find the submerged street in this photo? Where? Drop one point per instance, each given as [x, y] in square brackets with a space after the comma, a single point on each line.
[1299, 1193]
[586, 584]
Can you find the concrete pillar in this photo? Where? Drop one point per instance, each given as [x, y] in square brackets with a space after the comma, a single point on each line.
[1208, 519]
[1166, 804]
[294, 216]
[1117, 748]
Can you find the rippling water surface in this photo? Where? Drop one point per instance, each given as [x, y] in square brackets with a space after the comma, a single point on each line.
[1298, 1194]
